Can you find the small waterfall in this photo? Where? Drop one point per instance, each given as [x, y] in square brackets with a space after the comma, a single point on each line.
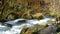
[15, 29]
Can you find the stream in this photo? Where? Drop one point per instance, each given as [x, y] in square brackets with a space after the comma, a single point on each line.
[17, 27]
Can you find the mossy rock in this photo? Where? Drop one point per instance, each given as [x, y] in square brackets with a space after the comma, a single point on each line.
[32, 30]
[29, 31]
[12, 16]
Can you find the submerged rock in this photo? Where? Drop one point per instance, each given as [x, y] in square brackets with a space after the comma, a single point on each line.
[16, 22]
[8, 25]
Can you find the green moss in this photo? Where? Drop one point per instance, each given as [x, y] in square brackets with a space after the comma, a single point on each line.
[32, 30]
[29, 31]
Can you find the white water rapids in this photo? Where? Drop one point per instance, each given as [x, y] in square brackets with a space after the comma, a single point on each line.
[17, 28]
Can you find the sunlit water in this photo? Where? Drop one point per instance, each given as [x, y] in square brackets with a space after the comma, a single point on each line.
[16, 29]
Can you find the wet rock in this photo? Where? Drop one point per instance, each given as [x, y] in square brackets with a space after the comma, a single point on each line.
[14, 22]
[8, 25]
[32, 30]
[49, 30]
[29, 31]
[17, 21]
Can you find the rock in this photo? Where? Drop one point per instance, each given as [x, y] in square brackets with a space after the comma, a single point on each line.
[38, 16]
[8, 25]
[29, 31]
[12, 16]
[17, 21]
[49, 30]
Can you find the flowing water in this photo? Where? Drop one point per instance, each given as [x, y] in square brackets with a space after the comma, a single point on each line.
[15, 29]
